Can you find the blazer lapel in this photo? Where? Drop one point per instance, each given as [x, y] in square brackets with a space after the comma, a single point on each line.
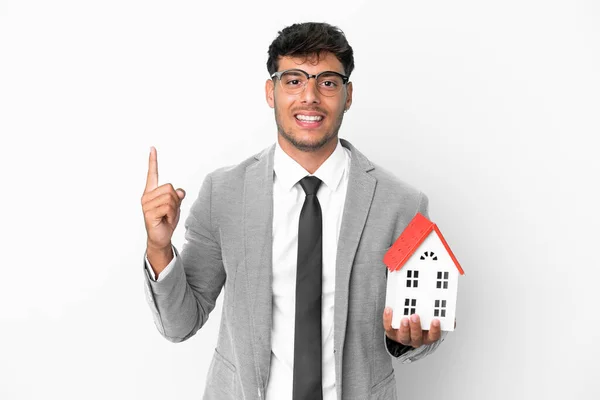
[361, 188]
[258, 244]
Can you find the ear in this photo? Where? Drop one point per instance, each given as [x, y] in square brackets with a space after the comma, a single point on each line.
[270, 92]
[348, 96]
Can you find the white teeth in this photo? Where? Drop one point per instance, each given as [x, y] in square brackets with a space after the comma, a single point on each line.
[309, 117]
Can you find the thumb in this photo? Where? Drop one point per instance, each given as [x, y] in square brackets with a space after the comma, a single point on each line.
[181, 193]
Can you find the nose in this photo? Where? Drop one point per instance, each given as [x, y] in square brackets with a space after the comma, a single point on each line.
[310, 94]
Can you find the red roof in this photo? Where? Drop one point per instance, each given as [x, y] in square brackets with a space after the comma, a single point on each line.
[410, 240]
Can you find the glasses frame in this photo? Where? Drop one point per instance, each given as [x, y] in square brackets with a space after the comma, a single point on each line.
[345, 79]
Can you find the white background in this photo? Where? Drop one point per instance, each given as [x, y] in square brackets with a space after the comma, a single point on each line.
[491, 108]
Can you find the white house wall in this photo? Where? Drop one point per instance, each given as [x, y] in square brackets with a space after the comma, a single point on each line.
[426, 293]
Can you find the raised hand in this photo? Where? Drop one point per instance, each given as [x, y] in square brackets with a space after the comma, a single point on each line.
[161, 206]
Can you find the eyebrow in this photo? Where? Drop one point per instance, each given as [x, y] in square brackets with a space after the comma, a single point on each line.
[301, 71]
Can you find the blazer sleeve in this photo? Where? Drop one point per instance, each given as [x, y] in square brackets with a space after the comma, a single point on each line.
[408, 354]
[181, 302]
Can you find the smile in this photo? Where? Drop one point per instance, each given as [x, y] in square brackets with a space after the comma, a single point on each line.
[309, 118]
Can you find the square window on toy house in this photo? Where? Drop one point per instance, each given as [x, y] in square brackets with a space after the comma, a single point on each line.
[440, 308]
[410, 306]
[412, 278]
[442, 280]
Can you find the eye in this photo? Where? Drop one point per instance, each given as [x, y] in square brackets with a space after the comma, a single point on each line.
[330, 81]
[292, 79]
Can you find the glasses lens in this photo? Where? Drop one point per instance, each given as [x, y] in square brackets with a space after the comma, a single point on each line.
[293, 81]
[329, 83]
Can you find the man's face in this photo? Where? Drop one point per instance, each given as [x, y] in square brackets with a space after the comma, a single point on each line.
[308, 120]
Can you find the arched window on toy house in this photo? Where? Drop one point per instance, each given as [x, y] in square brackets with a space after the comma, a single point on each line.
[429, 255]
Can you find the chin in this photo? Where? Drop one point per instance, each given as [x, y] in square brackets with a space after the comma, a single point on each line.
[307, 144]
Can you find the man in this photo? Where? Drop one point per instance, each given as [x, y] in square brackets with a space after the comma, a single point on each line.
[296, 236]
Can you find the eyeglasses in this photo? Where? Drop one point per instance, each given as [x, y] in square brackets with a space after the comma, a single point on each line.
[294, 81]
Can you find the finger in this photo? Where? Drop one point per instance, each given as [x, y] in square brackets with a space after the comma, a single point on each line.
[156, 198]
[180, 193]
[152, 178]
[154, 216]
[165, 198]
[159, 191]
[171, 215]
[403, 334]
[434, 333]
[416, 333]
[162, 210]
[387, 323]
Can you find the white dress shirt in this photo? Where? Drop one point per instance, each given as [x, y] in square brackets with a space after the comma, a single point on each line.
[288, 198]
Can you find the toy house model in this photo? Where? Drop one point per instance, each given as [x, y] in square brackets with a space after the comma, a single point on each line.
[423, 276]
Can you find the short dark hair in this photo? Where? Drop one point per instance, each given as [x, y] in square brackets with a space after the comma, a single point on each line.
[307, 39]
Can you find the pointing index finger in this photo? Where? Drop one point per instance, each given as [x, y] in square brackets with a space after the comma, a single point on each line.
[152, 179]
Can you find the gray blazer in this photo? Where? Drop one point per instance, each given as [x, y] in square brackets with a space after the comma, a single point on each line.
[229, 245]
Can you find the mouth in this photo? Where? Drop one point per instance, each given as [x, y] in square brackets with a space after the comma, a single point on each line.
[309, 120]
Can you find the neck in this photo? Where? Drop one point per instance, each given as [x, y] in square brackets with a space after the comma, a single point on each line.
[309, 160]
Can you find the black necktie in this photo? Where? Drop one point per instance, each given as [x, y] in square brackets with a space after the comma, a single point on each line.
[307, 337]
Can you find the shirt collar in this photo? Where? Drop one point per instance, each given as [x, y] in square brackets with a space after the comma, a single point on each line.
[289, 172]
